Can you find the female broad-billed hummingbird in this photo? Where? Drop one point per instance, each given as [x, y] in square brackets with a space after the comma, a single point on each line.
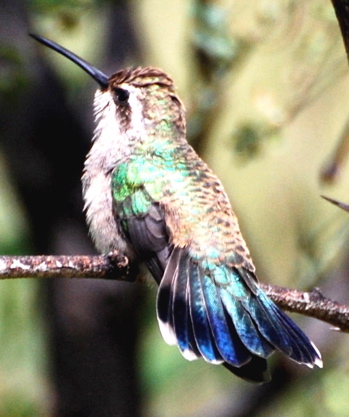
[149, 195]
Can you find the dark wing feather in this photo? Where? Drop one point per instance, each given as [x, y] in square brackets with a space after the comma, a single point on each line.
[149, 238]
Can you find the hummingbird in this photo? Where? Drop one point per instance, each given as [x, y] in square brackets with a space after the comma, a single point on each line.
[148, 195]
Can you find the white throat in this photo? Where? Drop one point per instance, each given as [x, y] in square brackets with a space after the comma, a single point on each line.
[108, 150]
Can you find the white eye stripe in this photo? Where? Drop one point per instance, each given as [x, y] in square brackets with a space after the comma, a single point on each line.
[137, 124]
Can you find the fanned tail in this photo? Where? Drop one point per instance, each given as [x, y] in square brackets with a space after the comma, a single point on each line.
[220, 313]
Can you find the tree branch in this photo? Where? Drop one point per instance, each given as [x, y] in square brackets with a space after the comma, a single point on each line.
[112, 266]
[116, 266]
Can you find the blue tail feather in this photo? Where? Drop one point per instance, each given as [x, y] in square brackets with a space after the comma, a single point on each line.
[268, 325]
[246, 327]
[228, 342]
[303, 351]
[260, 331]
[202, 332]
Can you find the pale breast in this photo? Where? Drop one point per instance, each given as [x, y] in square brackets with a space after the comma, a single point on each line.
[99, 214]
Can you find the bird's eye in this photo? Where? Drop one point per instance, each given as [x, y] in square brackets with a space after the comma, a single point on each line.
[121, 95]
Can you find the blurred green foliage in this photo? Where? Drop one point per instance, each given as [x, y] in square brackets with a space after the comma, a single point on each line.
[23, 364]
[12, 74]
[266, 88]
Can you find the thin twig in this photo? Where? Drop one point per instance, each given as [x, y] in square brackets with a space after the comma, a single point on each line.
[116, 266]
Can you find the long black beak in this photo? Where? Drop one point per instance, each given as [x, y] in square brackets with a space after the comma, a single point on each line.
[95, 73]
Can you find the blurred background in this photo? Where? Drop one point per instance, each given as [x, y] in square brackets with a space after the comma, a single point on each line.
[266, 88]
